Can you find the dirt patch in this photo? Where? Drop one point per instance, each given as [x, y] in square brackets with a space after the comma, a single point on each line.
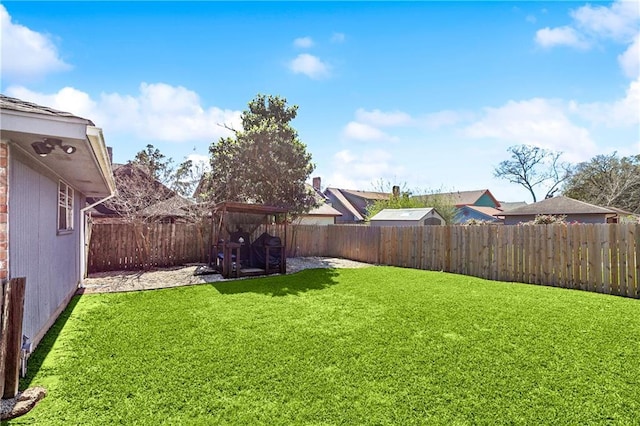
[119, 281]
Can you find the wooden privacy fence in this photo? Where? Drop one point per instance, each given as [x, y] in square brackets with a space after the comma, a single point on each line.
[125, 246]
[603, 258]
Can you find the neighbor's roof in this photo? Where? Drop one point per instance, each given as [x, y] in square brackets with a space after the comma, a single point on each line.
[403, 214]
[14, 104]
[324, 210]
[462, 198]
[174, 206]
[510, 205]
[558, 206]
[356, 201]
[487, 211]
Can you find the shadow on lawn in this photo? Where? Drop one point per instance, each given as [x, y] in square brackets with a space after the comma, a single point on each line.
[44, 347]
[281, 285]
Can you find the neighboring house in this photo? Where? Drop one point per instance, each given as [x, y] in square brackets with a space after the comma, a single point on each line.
[574, 210]
[324, 214]
[155, 201]
[353, 204]
[50, 162]
[407, 217]
[478, 197]
[478, 204]
[486, 214]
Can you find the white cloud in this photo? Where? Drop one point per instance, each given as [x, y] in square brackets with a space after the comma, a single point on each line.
[362, 170]
[620, 113]
[618, 21]
[383, 119]
[338, 38]
[531, 18]
[365, 132]
[630, 60]
[303, 42]
[309, 65]
[26, 54]
[158, 112]
[561, 36]
[537, 122]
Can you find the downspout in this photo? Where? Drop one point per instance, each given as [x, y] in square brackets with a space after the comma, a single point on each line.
[83, 235]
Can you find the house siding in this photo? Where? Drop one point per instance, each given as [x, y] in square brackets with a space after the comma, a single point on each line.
[48, 260]
[584, 218]
[4, 208]
[465, 214]
[316, 220]
[485, 201]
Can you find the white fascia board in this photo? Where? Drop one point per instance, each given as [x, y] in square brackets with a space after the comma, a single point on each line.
[99, 149]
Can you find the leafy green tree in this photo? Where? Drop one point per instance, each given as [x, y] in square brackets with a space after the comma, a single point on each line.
[265, 162]
[532, 167]
[607, 180]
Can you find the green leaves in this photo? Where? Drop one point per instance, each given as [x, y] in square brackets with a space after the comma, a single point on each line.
[266, 162]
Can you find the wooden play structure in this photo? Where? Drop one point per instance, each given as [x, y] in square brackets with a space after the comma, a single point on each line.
[235, 252]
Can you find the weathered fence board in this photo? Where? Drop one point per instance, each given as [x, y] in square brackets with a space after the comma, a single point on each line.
[604, 258]
[11, 339]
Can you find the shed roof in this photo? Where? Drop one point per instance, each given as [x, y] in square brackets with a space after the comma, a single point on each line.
[558, 206]
[403, 214]
[235, 207]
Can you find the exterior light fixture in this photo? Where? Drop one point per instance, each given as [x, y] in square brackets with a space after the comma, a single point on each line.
[44, 147]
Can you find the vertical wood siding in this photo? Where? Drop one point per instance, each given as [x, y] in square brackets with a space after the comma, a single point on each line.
[50, 262]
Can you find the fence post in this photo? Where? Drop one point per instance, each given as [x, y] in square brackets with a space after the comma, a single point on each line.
[11, 342]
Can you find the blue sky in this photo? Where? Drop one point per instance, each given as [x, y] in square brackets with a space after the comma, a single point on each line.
[427, 94]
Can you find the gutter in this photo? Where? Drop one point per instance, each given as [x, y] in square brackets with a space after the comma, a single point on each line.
[83, 235]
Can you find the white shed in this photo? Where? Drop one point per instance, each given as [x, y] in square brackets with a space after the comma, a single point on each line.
[407, 217]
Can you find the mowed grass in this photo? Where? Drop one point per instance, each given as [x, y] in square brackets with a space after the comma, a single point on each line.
[376, 346]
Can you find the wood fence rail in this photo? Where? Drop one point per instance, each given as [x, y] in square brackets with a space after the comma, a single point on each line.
[603, 258]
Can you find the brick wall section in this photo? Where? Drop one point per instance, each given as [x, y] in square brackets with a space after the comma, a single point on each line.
[4, 187]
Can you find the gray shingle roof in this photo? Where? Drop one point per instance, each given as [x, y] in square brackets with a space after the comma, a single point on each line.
[14, 104]
[558, 206]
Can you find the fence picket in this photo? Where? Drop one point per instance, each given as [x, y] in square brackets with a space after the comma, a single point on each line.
[603, 258]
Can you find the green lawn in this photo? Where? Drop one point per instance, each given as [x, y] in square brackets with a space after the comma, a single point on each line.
[356, 346]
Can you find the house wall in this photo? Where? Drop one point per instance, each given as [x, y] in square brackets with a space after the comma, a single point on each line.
[346, 217]
[585, 218]
[315, 220]
[49, 261]
[4, 237]
[485, 201]
[465, 214]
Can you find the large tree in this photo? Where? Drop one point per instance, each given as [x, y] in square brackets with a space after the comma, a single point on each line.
[265, 161]
[607, 180]
[533, 167]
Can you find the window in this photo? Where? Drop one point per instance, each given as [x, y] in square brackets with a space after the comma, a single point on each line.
[65, 207]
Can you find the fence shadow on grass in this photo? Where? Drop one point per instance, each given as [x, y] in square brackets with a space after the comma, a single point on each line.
[281, 285]
[46, 344]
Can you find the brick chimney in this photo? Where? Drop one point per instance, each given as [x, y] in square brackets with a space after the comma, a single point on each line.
[317, 184]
